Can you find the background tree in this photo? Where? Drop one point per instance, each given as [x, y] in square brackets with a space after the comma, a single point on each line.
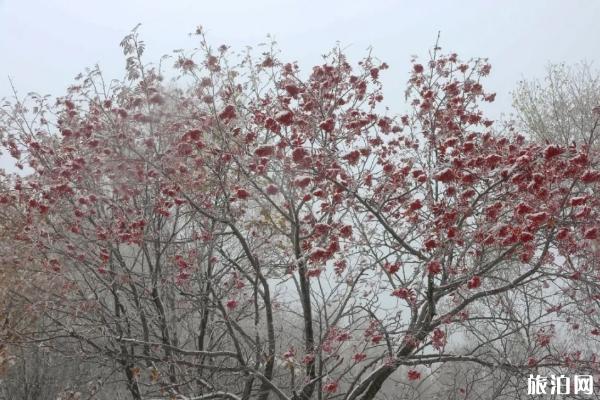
[562, 107]
[13, 313]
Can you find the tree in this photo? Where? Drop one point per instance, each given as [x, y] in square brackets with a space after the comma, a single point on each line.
[14, 313]
[251, 232]
[561, 108]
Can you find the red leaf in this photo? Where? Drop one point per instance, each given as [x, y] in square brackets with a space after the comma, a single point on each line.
[413, 375]
[562, 234]
[446, 175]
[231, 304]
[302, 181]
[577, 201]
[352, 157]
[264, 151]
[590, 176]
[228, 113]
[415, 205]
[346, 231]
[242, 194]
[298, 154]
[330, 387]
[474, 282]
[538, 218]
[327, 125]
[591, 233]
[552, 151]
[523, 208]
[292, 90]
[285, 117]
[404, 293]
[526, 237]
[434, 267]
[272, 190]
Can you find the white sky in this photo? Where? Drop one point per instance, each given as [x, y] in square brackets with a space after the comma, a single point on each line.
[45, 43]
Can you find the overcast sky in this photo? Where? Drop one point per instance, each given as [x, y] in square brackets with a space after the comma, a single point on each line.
[45, 43]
